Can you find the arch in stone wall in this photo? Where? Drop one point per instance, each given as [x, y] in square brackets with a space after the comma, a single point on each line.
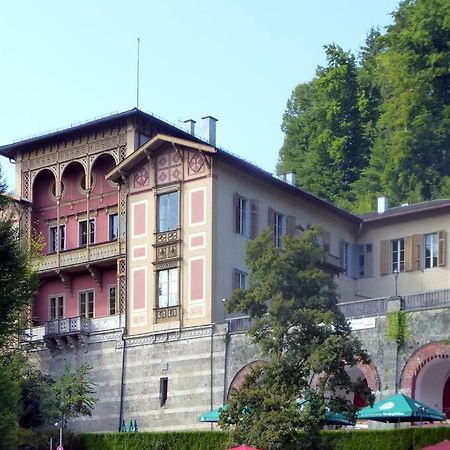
[371, 375]
[418, 360]
[239, 378]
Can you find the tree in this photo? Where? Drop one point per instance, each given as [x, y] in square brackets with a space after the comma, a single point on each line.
[410, 159]
[18, 282]
[72, 394]
[306, 340]
[324, 132]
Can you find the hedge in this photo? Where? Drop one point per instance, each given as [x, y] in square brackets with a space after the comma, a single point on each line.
[393, 439]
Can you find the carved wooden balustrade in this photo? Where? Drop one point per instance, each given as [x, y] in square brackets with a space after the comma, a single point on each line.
[67, 258]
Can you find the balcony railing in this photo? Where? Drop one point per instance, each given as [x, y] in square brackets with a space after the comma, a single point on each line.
[410, 302]
[67, 326]
[239, 324]
[67, 258]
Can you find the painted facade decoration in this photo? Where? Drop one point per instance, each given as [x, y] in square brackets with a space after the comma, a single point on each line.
[144, 228]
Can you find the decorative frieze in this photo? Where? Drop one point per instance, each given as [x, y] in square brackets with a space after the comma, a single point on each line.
[168, 236]
[169, 336]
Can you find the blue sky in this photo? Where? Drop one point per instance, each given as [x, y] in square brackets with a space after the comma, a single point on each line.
[69, 62]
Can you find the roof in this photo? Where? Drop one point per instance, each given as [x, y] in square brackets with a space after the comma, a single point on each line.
[151, 145]
[9, 150]
[407, 210]
[172, 133]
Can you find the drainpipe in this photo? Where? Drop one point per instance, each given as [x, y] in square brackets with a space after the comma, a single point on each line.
[125, 328]
[211, 369]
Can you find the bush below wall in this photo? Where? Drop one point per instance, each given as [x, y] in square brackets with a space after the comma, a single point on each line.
[394, 439]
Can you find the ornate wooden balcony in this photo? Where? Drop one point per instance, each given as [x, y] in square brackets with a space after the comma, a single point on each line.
[79, 256]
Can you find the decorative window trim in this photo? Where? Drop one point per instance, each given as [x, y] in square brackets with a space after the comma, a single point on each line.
[178, 292]
[158, 211]
[60, 247]
[50, 308]
[86, 291]
[116, 309]
[88, 241]
[93, 183]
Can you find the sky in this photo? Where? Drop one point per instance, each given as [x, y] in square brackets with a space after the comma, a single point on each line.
[65, 63]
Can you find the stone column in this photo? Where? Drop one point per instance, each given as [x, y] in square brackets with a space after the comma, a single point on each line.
[389, 378]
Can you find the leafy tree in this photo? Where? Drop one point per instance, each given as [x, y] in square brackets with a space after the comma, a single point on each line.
[72, 394]
[17, 285]
[410, 157]
[324, 129]
[306, 339]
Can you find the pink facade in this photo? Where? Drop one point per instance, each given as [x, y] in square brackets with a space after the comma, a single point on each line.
[80, 283]
[75, 205]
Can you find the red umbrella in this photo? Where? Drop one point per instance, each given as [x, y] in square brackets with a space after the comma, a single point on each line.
[244, 447]
[444, 445]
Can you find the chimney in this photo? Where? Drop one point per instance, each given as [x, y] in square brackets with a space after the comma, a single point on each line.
[383, 204]
[190, 126]
[209, 129]
[291, 178]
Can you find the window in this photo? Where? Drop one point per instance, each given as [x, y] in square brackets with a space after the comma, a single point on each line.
[86, 304]
[398, 255]
[53, 241]
[239, 279]
[83, 234]
[113, 227]
[83, 182]
[361, 261]
[278, 229]
[430, 247]
[243, 215]
[163, 388]
[56, 307]
[168, 216]
[112, 300]
[167, 288]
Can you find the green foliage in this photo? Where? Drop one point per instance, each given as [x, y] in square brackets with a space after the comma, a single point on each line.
[413, 438]
[379, 124]
[9, 399]
[157, 441]
[397, 327]
[308, 344]
[72, 394]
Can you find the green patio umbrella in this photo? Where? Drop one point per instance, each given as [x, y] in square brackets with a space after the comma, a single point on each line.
[330, 418]
[213, 416]
[400, 408]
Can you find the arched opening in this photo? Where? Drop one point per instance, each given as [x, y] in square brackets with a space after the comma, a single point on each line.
[44, 208]
[239, 378]
[446, 398]
[357, 373]
[100, 167]
[73, 177]
[432, 386]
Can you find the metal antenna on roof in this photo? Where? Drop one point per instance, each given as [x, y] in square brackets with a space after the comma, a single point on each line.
[137, 75]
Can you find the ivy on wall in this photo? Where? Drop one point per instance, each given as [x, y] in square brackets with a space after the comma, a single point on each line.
[397, 327]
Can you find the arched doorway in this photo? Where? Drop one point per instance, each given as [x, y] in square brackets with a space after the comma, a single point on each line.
[425, 376]
[239, 378]
[368, 375]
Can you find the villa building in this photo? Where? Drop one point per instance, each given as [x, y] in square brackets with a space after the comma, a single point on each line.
[144, 227]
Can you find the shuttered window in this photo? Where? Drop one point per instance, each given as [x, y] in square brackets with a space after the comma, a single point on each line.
[430, 249]
[245, 216]
[398, 255]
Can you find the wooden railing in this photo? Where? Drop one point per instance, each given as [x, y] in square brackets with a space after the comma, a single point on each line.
[67, 258]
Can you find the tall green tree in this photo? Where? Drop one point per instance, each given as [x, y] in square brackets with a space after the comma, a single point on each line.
[307, 343]
[18, 283]
[410, 160]
[325, 143]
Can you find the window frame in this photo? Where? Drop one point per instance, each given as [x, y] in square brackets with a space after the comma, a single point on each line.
[434, 250]
[57, 308]
[399, 262]
[53, 240]
[279, 230]
[168, 227]
[163, 390]
[86, 313]
[240, 279]
[115, 309]
[110, 227]
[89, 232]
[176, 283]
